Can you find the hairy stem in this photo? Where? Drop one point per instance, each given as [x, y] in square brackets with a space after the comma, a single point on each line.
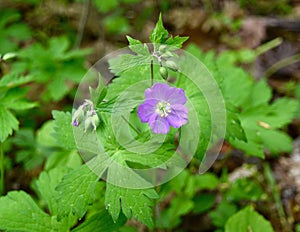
[1, 169]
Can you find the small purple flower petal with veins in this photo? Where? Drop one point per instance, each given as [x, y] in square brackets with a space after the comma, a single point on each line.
[163, 107]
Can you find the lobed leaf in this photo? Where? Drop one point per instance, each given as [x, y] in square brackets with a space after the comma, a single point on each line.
[101, 221]
[136, 203]
[248, 219]
[27, 216]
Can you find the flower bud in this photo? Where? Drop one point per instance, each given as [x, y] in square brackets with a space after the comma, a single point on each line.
[163, 72]
[78, 117]
[172, 65]
[162, 48]
[87, 123]
[91, 121]
[95, 121]
[167, 54]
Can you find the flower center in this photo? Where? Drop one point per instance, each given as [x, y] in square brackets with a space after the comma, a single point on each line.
[163, 109]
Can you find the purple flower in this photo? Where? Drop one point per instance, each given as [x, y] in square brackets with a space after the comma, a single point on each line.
[164, 106]
[75, 122]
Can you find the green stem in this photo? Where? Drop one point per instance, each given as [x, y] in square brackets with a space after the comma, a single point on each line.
[268, 46]
[276, 196]
[281, 64]
[152, 75]
[82, 23]
[1, 169]
[131, 126]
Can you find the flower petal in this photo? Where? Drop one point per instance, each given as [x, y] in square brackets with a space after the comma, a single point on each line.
[176, 96]
[159, 125]
[158, 91]
[178, 116]
[147, 109]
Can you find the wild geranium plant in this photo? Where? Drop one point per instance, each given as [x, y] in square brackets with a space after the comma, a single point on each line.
[137, 132]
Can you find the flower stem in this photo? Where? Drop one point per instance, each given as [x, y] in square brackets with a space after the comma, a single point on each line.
[82, 23]
[131, 126]
[151, 68]
[281, 64]
[1, 169]
[268, 46]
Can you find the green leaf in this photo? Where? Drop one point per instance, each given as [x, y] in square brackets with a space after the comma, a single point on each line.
[207, 181]
[133, 41]
[298, 227]
[57, 66]
[57, 89]
[135, 203]
[260, 94]
[11, 99]
[28, 152]
[222, 213]
[234, 127]
[13, 79]
[63, 130]
[58, 46]
[235, 93]
[275, 141]
[176, 41]
[44, 135]
[262, 122]
[46, 184]
[203, 115]
[12, 30]
[8, 123]
[159, 34]
[130, 63]
[249, 147]
[65, 158]
[105, 6]
[282, 112]
[99, 93]
[101, 221]
[137, 46]
[14, 99]
[188, 184]
[245, 189]
[203, 202]
[128, 77]
[247, 220]
[116, 24]
[170, 218]
[27, 216]
[76, 192]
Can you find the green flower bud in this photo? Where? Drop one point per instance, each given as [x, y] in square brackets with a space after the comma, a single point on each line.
[91, 121]
[172, 65]
[95, 121]
[167, 54]
[162, 48]
[163, 72]
[87, 123]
